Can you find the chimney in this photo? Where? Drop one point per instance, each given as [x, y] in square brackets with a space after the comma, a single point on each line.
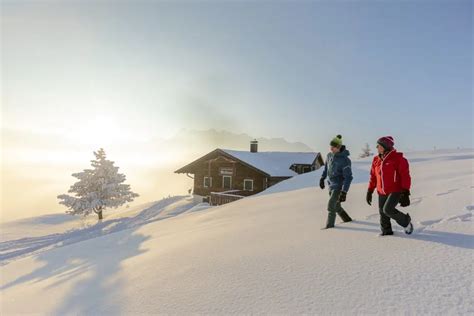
[254, 146]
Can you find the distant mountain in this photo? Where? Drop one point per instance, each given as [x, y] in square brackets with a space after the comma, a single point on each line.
[203, 141]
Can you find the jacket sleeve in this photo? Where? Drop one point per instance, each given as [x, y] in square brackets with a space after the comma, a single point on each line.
[325, 171]
[404, 172]
[373, 178]
[347, 175]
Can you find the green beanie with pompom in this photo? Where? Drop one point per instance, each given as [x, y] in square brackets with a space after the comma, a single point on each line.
[336, 141]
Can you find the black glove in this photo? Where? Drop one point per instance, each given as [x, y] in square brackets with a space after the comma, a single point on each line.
[368, 198]
[405, 198]
[321, 183]
[342, 196]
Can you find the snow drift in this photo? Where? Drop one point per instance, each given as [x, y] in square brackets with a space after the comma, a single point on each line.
[262, 254]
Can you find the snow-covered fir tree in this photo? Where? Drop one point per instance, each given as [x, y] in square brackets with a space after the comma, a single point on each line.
[366, 152]
[98, 188]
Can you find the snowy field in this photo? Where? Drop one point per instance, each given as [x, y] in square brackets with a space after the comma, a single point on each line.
[262, 254]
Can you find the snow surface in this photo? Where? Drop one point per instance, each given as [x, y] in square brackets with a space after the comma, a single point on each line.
[52, 231]
[262, 254]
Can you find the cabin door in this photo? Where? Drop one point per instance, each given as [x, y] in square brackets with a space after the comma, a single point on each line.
[227, 182]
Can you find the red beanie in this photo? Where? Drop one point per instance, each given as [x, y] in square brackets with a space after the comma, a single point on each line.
[386, 142]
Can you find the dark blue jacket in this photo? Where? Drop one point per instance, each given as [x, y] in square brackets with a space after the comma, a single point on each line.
[338, 170]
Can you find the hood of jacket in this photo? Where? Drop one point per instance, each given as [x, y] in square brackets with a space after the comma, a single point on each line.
[343, 152]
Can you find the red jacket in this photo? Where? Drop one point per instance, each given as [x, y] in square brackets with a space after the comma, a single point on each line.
[390, 173]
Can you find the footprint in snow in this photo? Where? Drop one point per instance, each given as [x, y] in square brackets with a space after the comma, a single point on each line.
[426, 224]
[372, 216]
[416, 201]
[447, 192]
[460, 218]
[429, 223]
[467, 217]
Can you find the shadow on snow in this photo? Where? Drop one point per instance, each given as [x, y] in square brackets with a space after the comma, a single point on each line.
[93, 272]
[13, 249]
[446, 238]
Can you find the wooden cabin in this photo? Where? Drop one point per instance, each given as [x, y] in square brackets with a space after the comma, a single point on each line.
[224, 175]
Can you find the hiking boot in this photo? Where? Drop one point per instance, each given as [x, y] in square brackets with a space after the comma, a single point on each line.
[345, 217]
[409, 228]
[387, 233]
[327, 226]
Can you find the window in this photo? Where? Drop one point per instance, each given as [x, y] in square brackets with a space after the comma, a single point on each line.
[227, 182]
[248, 185]
[207, 182]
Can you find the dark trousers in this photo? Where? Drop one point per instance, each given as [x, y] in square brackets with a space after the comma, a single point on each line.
[387, 210]
[334, 207]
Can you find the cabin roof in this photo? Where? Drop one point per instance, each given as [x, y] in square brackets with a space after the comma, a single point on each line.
[271, 163]
[274, 163]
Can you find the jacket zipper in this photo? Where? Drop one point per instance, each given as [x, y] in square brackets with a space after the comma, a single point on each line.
[381, 175]
[381, 172]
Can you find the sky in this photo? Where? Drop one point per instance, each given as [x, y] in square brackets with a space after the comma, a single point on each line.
[99, 73]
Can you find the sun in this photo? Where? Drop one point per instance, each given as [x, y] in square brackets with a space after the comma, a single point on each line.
[100, 131]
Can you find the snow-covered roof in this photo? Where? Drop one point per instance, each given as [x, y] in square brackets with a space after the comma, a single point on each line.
[274, 163]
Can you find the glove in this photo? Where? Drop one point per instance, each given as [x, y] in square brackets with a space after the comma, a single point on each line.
[369, 197]
[405, 198]
[342, 196]
[321, 184]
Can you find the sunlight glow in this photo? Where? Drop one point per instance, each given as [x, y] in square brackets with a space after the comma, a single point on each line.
[100, 131]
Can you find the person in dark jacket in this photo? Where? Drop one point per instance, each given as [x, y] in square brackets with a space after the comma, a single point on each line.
[339, 173]
[390, 174]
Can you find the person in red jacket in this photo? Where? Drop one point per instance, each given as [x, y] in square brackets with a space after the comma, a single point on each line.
[390, 174]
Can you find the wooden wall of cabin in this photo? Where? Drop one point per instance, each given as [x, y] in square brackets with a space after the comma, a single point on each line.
[319, 162]
[240, 172]
[275, 180]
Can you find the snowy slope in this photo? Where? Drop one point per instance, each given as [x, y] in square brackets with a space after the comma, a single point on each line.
[266, 254]
[35, 235]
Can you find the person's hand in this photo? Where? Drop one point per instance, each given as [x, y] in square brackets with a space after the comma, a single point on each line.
[405, 198]
[368, 198]
[342, 196]
[321, 183]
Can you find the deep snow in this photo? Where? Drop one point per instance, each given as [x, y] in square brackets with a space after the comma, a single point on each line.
[52, 231]
[262, 254]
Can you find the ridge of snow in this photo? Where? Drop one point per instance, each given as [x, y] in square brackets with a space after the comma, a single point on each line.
[89, 228]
